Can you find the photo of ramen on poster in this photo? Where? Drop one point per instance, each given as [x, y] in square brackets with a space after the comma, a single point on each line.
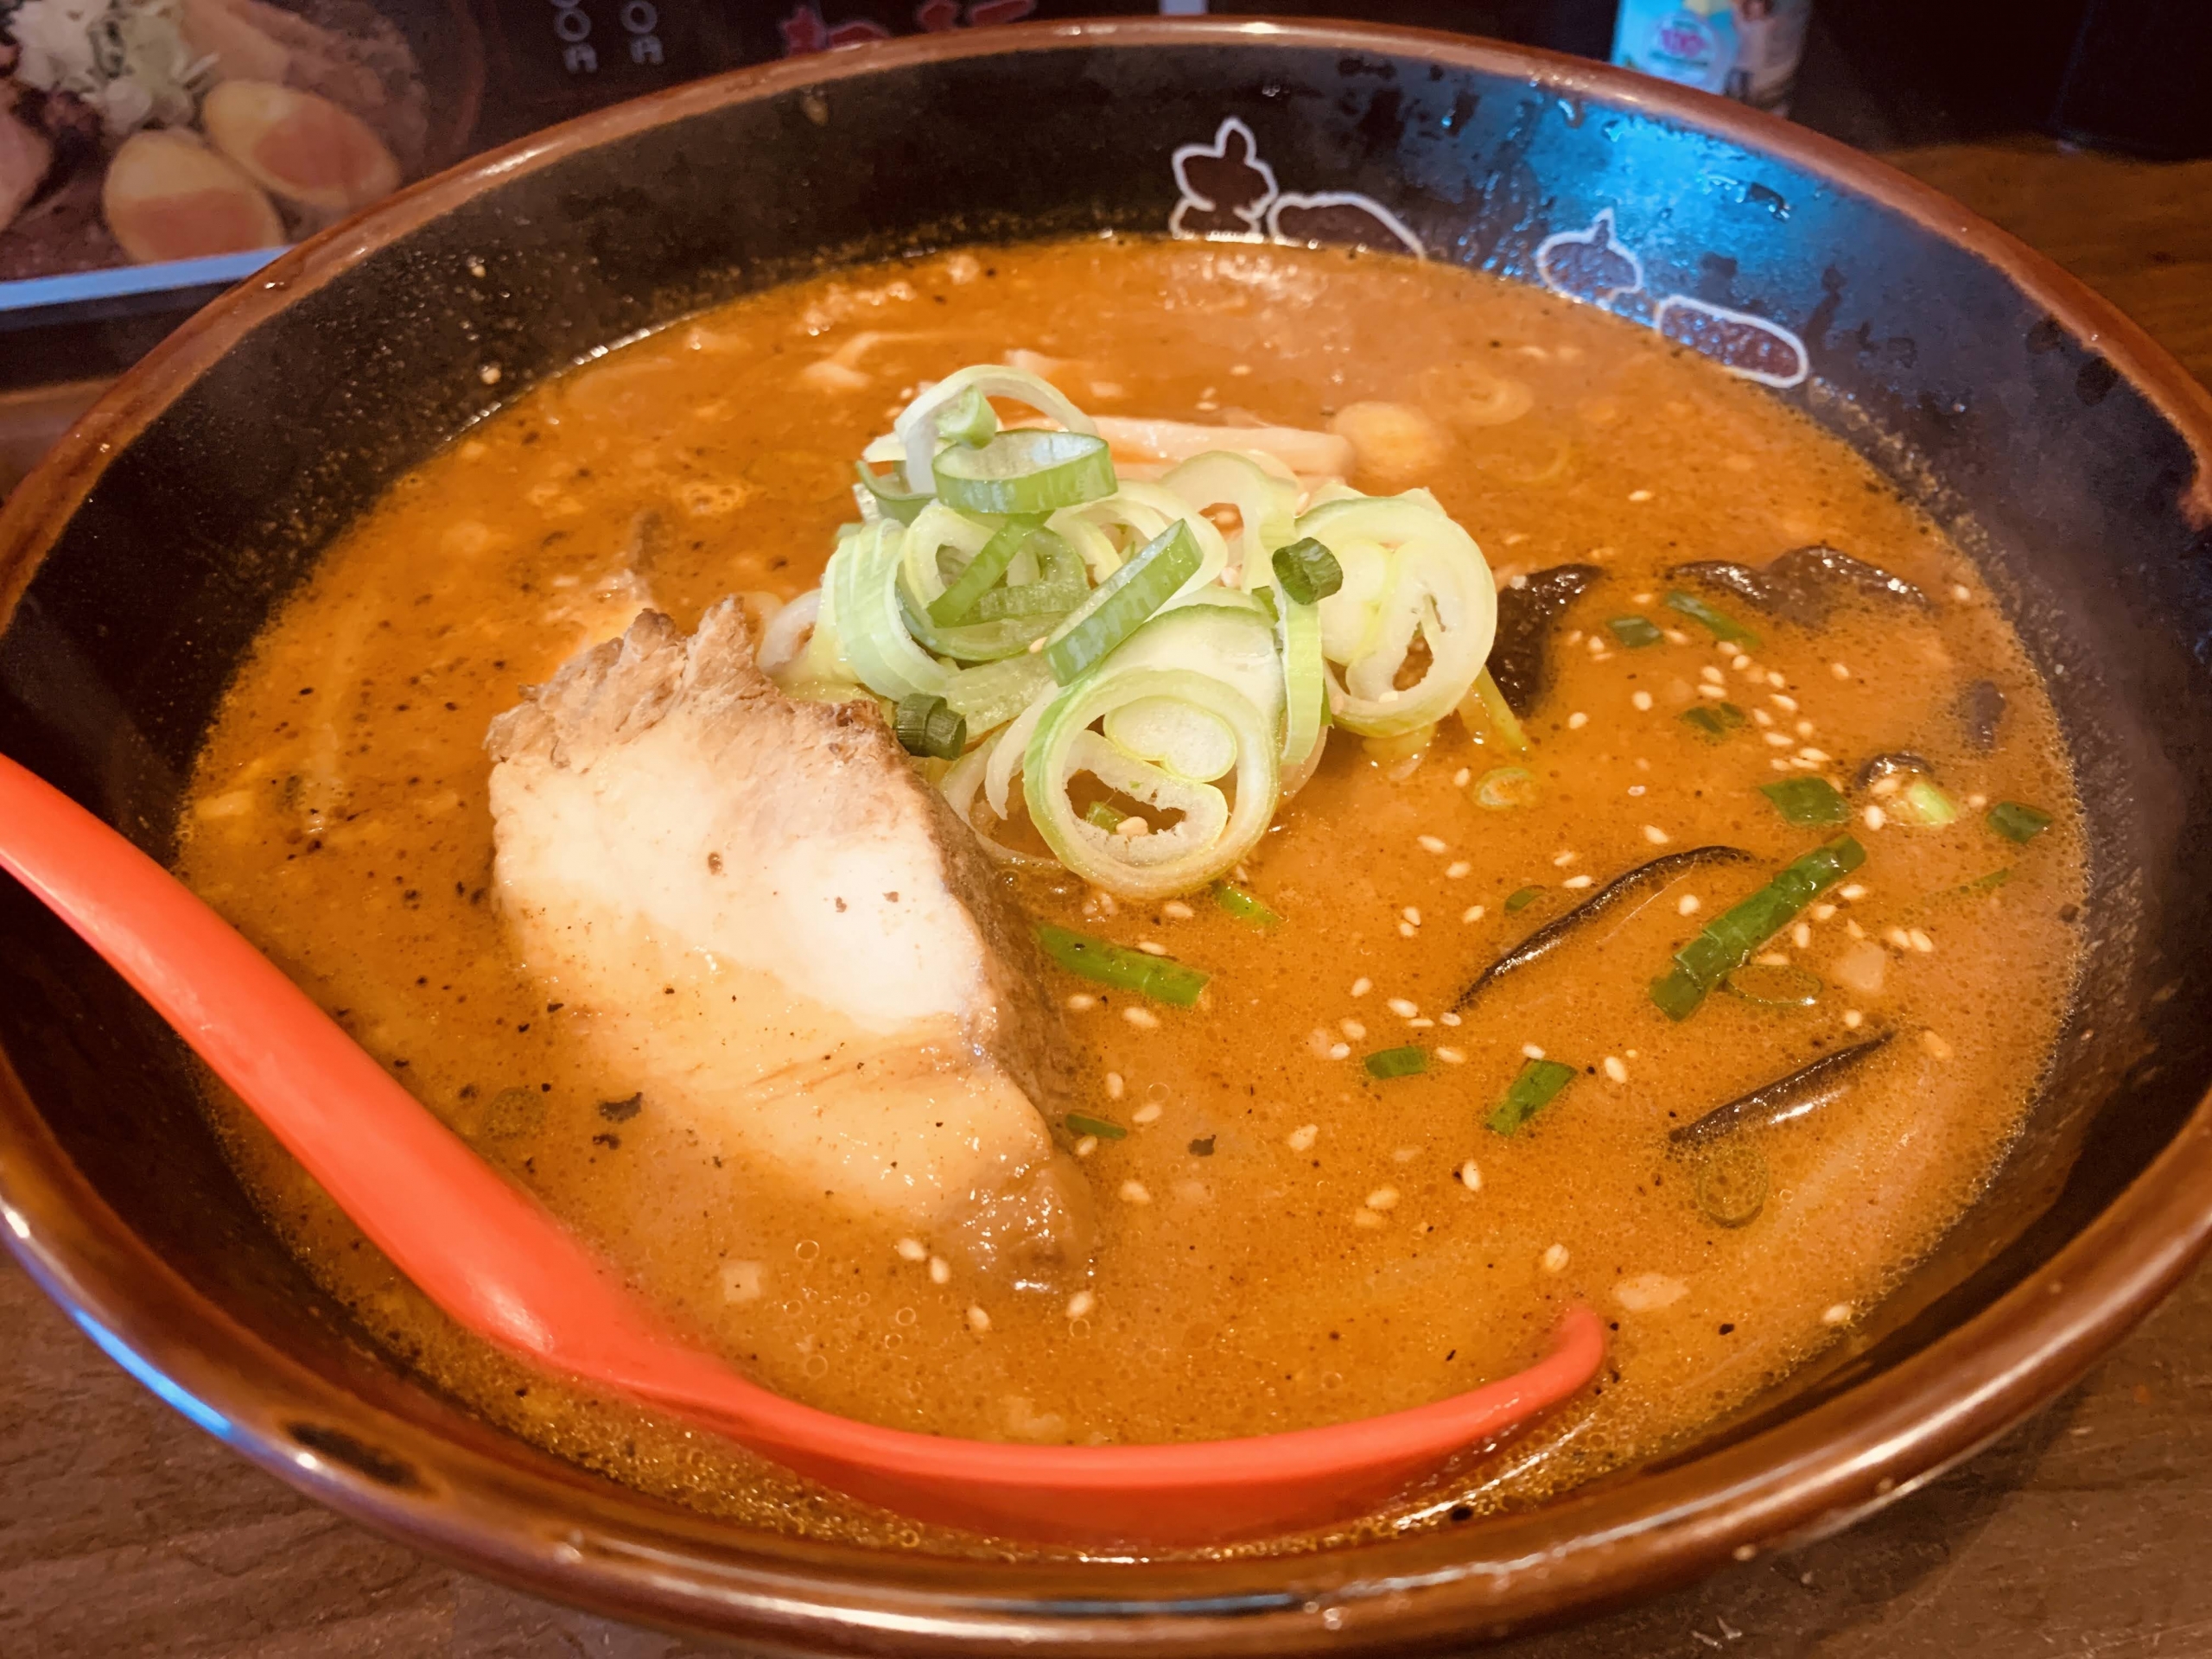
[148, 145]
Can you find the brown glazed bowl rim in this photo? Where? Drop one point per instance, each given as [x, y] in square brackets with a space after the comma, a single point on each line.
[526, 1519]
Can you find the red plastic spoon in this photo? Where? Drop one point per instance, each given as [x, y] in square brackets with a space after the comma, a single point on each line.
[495, 1260]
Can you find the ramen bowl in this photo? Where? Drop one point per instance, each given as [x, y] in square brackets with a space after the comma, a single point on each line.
[2057, 446]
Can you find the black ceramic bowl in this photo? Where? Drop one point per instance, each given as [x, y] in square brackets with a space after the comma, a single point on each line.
[2064, 451]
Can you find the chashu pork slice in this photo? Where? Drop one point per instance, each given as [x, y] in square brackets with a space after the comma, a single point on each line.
[857, 1006]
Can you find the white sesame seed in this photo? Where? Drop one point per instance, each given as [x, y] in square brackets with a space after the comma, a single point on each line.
[1148, 1113]
[1787, 705]
[1772, 959]
[1383, 1198]
[1080, 1304]
[1711, 675]
[912, 1249]
[1456, 868]
[1803, 728]
[1365, 1218]
[1554, 1259]
[1131, 827]
[1655, 836]
[1085, 1147]
[1578, 882]
[1935, 1046]
[1853, 891]
[1531, 1051]
[978, 1321]
[940, 1271]
[1422, 1024]
[1853, 929]
[1361, 986]
[1114, 1085]
[1411, 914]
[1431, 843]
[1777, 681]
[1449, 1019]
[1875, 817]
[1577, 721]
[1302, 1137]
[1471, 1177]
[1676, 636]
[1921, 942]
[1151, 948]
[1340, 1052]
[1636, 788]
[1353, 1028]
[1402, 1008]
[1142, 1019]
[1081, 1001]
[1407, 930]
[1779, 766]
[1975, 803]
[1615, 1070]
[1451, 1057]
[1713, 690]
[1801, 764]
[1574, 637]
[1739, 662]
[1639, 598]
[1802, 936]
[1899, 937]
[1960, 592]
[1471, 913]
[1760, 717]
[1178, 909]
[1822, 912]
[1135, 1192]
[1639, 495]
[1640, 699]
[1562, 860]
[1853, 1018]
[1688, 904]
[1838, 671]
[1838, 1313]
[1777, 739]
[1816, 756]
[1462, 778]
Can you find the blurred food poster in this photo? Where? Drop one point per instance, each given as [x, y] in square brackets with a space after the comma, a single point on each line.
[162, 146]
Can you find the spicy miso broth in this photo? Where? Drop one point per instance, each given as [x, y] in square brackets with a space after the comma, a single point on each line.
[1334, 1126]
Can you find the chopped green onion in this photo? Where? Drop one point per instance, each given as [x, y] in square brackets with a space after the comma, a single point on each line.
[925, 724]
[1026, 471]
[1980, 884]
[1118, 606]
[1522, 899]
[1807, 800]
[1634, 632]
[972, 421]
[1103, 816]
[1730, 938]
[1162, 978]
[2015, 821]
[1083, 1123]
[1407, 1062]
[1243, 906]
[1771, 986]
[1059, 587]
[1714, 720]
[957, 604]
[1309, 573]
[1538, 1084]
[1719, 623]
[890, 493]
[1503, 788]
[1921, 803]
[1500, 713]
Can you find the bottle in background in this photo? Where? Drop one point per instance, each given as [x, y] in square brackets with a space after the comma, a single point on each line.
[1745, 49]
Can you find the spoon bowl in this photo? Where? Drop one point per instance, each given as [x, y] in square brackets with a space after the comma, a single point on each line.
[501, 1265]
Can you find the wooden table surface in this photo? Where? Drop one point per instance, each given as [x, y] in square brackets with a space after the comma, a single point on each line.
[124, 1531]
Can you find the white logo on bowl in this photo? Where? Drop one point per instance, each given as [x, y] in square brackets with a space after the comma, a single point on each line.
[1594, 266]
[1227, 193]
